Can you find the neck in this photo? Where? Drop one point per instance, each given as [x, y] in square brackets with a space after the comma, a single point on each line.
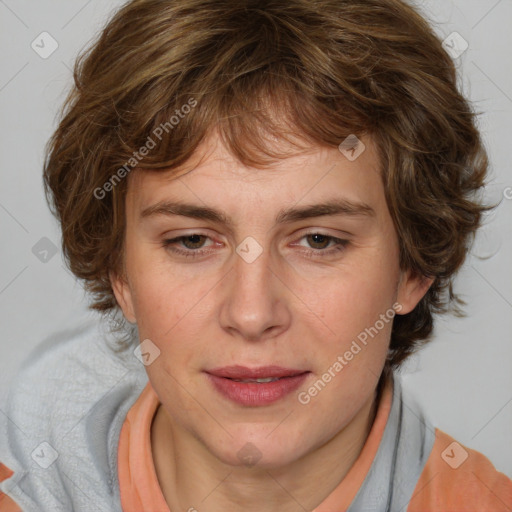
[191, 477]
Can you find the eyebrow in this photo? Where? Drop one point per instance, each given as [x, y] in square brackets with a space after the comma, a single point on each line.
[330, 207]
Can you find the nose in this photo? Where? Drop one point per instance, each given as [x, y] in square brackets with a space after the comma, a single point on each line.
[254, 305]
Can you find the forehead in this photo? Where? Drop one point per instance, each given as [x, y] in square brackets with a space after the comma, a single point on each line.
[214, 176]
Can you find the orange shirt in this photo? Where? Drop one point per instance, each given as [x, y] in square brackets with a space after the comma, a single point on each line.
[6, 503]
[474, 486]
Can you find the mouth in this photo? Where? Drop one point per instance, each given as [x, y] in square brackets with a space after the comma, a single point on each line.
[256, 386]
[260, 381]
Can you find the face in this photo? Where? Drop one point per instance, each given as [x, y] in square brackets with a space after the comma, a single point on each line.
[269, 293]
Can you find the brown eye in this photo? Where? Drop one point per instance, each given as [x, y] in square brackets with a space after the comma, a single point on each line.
[193, 241]
[195, 245]
[318, 241]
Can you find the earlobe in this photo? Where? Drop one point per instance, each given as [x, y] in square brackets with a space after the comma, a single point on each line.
[122, 292]
[411, 289]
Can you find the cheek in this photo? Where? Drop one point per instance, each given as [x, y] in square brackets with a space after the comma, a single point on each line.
[159, 296]
[360, 316]
[175, 314]
[173, 317]
[357, 309]
[164, 294]
[162, 306]
[154, 312]
[353, 301]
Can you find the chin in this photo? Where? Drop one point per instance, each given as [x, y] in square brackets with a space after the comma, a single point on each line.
[258, 450]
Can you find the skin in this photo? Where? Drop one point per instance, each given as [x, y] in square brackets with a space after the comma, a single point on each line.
[299, 305]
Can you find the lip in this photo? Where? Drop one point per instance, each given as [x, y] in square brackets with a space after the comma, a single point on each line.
[252, 393]
[242, 372]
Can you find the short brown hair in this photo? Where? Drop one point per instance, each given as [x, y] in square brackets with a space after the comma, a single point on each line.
[329, 68]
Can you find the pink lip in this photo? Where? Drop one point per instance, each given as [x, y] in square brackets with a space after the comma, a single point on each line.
[254, 393]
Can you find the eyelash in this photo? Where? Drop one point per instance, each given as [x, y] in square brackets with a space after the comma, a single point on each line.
[340, 245]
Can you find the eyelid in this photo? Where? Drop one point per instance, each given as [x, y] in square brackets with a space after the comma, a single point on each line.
[339, 235]
[177, 233]
[168, 240]
[184, 233]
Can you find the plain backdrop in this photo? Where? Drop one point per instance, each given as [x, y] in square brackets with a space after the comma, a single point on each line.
[463, 378]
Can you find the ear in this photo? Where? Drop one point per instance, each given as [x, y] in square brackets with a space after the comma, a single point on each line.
[123, 295]
[411, 289]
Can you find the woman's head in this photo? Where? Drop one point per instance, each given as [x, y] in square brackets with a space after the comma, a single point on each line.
[270, 79]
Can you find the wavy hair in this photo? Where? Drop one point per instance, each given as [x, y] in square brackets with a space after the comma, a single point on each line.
[320, 69]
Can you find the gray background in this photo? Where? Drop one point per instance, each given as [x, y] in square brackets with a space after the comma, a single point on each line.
[463, 378]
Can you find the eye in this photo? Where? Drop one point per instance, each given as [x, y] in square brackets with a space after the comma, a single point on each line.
[313, 245]
[321, 244]
[191, 245]
[318, 241]
[193, 241]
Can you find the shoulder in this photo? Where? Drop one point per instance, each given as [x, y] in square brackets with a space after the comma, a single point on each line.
[63, 415]
[457, 478]
[64, 376]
